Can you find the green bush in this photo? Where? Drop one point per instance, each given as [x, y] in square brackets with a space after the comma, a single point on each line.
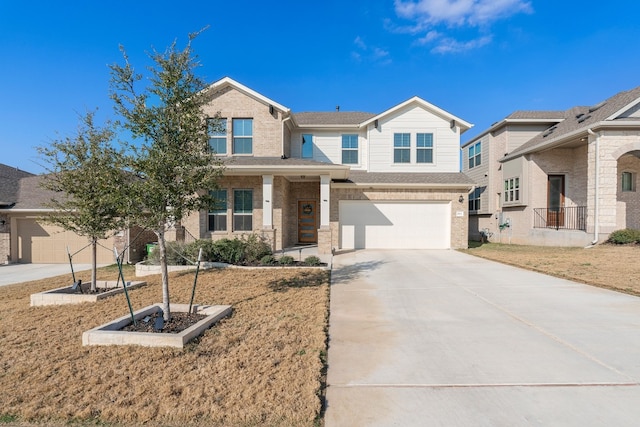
[312, 260]
[286, 260]
[230, 251]
[623, 237]
[255, 248]
[175, 254]
[268, 260]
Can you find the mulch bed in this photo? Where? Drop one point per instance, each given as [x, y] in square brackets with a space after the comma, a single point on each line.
[178, 323]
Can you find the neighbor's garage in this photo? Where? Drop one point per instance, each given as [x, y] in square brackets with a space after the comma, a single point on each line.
[39, 242]
[366, 224]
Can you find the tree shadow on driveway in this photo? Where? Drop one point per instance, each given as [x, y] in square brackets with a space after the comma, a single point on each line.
[347, 273]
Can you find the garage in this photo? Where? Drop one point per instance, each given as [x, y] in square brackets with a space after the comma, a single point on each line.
[39, 242]
[366, 224]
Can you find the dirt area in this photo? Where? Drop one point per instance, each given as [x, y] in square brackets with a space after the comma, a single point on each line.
[608, 266]
[261, 366]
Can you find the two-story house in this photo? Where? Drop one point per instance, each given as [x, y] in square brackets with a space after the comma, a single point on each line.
[559, 178]
[341, 180]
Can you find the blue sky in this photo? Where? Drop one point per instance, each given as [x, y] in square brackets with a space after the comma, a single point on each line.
[478, 59]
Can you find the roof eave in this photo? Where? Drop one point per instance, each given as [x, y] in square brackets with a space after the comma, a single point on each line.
[335, 172]
[505, 122]
[457, 186]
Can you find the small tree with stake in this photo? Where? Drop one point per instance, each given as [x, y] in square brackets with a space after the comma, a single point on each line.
[85, 173]
[170, 152]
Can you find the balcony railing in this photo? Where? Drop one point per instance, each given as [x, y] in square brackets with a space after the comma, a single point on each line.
[565, 218]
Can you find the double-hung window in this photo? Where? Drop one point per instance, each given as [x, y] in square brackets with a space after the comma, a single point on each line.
[475, 155]
[242, 136]
[350, 149]
[424, 148]
[217, 131]
[512, 190]
[401, 148]
[242, 210]
[218, 215]
[628, 181]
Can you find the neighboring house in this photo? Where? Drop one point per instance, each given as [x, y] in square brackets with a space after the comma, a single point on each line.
[561, 178]
[25, 237]
[341, 180]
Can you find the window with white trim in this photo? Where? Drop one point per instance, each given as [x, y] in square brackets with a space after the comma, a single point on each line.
[218, 214]
[628, 181]
[475, 155]
[424, 148]
[401, 148]
[242, 136]
[350, 149]
[217, 131]
[512, 190]
[242, 210]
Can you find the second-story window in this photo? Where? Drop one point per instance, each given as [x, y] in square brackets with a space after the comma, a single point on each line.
[307, 146]
[217, 130]
[350, 149]
[242, 136]
[401, 148]
[424, 148]
[475, 155]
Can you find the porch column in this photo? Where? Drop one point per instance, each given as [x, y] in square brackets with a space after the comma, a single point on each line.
[324, 233]
[267, 202]
[325, 201]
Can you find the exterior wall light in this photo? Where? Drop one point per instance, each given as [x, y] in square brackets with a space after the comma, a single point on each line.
[461, 198]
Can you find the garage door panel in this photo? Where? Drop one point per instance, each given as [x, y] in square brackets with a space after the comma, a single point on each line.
[39, 242]
[395, 225]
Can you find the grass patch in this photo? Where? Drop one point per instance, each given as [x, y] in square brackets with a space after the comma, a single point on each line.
[607, 266]
[264, 365]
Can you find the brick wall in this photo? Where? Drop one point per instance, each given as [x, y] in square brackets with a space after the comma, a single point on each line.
[267, 127]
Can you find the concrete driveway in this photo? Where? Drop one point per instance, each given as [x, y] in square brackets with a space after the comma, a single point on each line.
[441, 338]
[18, 273]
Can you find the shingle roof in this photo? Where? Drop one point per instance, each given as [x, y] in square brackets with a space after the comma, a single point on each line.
[9, 179]
[30, 195]
[332, 118]
[579, 119]
[536, 115]
[438, 178]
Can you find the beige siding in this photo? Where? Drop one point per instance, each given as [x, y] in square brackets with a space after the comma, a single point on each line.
[414, 119]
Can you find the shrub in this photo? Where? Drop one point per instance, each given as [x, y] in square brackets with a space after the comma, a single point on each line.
[230, 251]
[255, 248]
[175, 254]
[268, 260]
[192, 249]
[623, 237]
[286, 260]
[312, 260]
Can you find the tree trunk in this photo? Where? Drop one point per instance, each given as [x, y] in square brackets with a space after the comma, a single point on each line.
[162, 247]
[94, 263]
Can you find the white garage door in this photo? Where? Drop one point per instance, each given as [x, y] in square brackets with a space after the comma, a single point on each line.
[394, 225]
[39, 242]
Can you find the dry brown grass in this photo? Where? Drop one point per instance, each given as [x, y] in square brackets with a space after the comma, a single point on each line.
[607, 266]
[261, 366]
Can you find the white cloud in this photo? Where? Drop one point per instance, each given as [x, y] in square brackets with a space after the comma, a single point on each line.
[438, 19]
[364, 52]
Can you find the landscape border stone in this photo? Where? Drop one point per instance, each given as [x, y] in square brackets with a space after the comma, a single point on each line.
[60, 296]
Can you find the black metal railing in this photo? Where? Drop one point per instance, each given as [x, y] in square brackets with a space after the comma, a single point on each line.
[565, 218]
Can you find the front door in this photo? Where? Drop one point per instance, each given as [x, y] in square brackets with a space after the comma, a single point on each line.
[555, 201]
[307, 226]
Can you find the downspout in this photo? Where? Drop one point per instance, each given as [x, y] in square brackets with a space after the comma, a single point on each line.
[596, 195]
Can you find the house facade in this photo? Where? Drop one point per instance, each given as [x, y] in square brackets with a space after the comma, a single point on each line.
[561, 178]
[339, 180]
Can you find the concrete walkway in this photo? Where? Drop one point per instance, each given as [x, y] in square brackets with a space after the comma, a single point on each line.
[18, 273]
[440, 338]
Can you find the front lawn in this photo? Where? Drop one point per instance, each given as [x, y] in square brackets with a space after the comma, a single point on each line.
[608, 266]
[261, 366]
